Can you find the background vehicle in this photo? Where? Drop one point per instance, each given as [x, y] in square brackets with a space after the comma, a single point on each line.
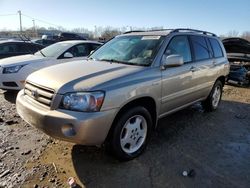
[9, 48]
[118, 95]
[69, 36]
[14, 70]
[238, 53]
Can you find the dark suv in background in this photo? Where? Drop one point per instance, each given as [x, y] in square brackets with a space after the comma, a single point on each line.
[9, 48]
[69, 36]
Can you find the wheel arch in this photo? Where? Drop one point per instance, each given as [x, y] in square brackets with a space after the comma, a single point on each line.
[145, 101]
[222, 79]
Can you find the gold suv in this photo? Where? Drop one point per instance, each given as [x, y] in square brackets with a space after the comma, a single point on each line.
[117, 96]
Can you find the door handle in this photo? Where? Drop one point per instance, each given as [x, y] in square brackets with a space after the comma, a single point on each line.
[193, 69]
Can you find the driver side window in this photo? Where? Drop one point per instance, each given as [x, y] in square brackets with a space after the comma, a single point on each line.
[79, 50]
[179, 45]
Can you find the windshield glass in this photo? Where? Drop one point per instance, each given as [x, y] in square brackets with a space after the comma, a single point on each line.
[54, 50]
[134, 50]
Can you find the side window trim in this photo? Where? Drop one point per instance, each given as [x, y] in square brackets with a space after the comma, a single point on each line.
[211, 52]
[191, 49]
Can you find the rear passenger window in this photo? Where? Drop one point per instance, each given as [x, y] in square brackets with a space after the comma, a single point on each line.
[22, 48]
[201, 50]
[8, 48]
[216, 48]
[179, 45]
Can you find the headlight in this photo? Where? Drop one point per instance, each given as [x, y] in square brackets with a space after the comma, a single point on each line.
[12, 69]
[83, 101]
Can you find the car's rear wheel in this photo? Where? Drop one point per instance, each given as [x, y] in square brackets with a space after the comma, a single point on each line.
[131, 133]
[213, 100]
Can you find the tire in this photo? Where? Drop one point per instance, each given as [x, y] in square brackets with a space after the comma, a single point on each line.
[213, 100]
[131, 133]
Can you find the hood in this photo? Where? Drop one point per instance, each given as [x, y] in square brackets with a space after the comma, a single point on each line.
[22, 59]
[236, 45]
[81, 75]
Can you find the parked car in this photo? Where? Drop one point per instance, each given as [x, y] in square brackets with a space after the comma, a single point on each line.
[14, 70]
[69, 36]
[44, 42]
[238, 53]
[117, 96]
[9, 48]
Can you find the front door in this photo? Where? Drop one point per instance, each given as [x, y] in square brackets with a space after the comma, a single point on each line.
[176, 81]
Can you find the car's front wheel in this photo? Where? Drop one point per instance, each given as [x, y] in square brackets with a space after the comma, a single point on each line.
[131, 133]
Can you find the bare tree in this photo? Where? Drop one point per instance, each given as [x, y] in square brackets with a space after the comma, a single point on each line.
[109, 33]
[246, 35]
[233, 33]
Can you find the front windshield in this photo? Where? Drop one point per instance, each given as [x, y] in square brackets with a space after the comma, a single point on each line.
[134, 50]
[54, 50]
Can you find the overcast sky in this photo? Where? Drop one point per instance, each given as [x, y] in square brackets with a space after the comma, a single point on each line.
[218, 16]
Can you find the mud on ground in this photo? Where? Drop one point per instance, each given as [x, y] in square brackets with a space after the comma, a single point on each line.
[215, 145]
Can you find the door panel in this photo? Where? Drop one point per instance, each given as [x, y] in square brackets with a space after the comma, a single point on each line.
[203, 72]
[176, 81]
[202, 79]
[176, 87]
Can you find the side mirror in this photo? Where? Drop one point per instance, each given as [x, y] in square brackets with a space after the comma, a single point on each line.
[92, 51]
[68, 55]
[171, 61]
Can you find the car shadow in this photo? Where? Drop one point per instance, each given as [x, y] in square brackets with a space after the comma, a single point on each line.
[10, 96]
[190, 138]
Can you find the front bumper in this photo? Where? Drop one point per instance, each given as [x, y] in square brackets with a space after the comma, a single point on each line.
[78, 127]
[13, 78]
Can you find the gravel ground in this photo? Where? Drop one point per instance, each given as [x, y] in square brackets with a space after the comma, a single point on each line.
[214, 147]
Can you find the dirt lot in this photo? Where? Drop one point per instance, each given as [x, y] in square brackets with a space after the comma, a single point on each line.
[215, 145]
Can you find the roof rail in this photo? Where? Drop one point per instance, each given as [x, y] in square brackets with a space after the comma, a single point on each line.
[175, 30]
[133, 31]
[193, 30]
[147, 30]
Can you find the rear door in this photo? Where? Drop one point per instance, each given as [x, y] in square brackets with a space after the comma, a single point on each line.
[201, 67]
[220, 63]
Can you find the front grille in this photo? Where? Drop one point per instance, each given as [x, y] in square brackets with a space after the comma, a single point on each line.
[41, 94]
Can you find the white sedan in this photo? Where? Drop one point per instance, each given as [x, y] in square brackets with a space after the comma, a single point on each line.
[14, 70]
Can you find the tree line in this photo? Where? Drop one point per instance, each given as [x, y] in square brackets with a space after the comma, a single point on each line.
[99, 32]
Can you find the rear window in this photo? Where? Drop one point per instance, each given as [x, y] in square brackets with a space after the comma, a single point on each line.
[200, 48]
[216, 48]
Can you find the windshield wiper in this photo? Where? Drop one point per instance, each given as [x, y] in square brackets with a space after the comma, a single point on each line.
[123, 62]
[136, 64]
[111, 60]
[42, 53]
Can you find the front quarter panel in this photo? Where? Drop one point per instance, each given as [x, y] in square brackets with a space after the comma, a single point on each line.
[126, 89]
